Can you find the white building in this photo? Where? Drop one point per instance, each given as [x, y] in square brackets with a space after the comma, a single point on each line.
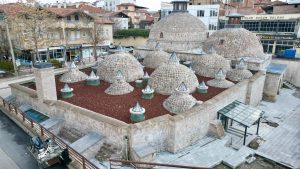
[120, 20]
[111, 5]
[208, 14]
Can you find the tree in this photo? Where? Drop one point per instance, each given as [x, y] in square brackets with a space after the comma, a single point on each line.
[32, 25]
[97, 34]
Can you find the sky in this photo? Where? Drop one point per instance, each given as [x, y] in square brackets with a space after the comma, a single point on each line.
[153, 5]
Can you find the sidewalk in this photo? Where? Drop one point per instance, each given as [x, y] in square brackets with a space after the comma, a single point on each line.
[6, 162]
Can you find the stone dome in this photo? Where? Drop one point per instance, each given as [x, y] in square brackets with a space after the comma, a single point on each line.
[235, 43]
[240, 72]
[220, 81]
[156, 57]
[180, 101]
[119, 86]
[128, 64]
[167, 77]
[178, 32]
[73, 75]
[209, 64]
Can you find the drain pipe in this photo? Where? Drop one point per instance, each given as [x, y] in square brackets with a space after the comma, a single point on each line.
[126, 147]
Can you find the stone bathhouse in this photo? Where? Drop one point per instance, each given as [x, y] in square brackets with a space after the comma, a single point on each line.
[167, 131]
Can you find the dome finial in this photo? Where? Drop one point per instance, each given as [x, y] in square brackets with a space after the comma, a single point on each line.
[173, 58]
[157, 46]
[119, 75]
[220, 75]
[212, 50]
[182, 88]
[242, 64]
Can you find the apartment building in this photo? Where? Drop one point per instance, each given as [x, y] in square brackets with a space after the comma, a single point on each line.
[136, 13]
[111, 5]
[71, 32]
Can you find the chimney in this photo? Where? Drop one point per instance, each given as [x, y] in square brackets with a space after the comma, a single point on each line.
[45, 81]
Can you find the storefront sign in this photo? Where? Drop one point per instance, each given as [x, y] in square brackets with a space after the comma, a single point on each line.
[277, 37]
[271, 17]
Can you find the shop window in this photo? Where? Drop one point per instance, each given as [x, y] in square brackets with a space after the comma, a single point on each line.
[221, 42]
[161, 35]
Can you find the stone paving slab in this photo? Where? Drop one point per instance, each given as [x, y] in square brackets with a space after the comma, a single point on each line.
[283, 144]
[51, 122]
[6, 162]
[86, 141]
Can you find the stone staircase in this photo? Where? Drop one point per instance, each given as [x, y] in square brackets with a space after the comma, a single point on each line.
[289, 85]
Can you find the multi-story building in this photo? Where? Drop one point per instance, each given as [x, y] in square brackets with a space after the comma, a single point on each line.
[111, 5]
[135, 12]
[70, 32]
[278, 30]
[120, 20]
[208, 14]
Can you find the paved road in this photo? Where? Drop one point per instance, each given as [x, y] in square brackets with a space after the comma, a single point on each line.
[13, 143]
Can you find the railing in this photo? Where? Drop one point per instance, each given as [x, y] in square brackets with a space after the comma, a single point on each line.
[114, 164]
[45, 134]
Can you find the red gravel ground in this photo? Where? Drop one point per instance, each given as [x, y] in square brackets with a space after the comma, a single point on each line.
[94, 98]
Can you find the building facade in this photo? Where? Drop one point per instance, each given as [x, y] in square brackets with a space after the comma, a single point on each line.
[111, 5]
[69, 32]
[136, 13]
[276, 31]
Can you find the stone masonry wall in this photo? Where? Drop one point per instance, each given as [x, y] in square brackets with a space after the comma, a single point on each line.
[255, 88]
[292, 72]
[272, 84]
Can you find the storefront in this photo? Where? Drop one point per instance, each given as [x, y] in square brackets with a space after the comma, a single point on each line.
[273, 44]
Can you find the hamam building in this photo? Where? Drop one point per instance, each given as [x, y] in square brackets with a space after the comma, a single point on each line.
[136, 112]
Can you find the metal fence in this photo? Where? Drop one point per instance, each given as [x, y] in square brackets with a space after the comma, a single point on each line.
[45, 134]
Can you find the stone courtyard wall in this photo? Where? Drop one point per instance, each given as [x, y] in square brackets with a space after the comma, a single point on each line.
[292, 72]
[164, 133]
[74, 116]
[271, 87]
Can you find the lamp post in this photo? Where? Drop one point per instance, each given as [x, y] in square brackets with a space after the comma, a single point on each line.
[4, 19]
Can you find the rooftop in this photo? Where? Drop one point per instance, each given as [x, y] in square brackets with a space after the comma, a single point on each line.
[95, 99]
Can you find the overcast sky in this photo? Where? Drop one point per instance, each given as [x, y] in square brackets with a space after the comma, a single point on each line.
[153, 5]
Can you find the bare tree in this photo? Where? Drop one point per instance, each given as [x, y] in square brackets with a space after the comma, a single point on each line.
[32, 25]
[97, 35]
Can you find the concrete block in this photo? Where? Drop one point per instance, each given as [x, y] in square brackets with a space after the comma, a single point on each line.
[216, 129]
[86, 141]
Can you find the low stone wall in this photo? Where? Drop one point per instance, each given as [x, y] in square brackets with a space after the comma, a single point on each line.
[131, 41]
[77, 117]
[292, 72]
[164, 133]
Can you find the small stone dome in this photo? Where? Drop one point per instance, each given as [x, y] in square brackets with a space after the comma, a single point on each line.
[130, 67]
[235, 43]
[178, 32]
[156, 57]
[167, 77]
[180, 101]
[209, 64]
[73, 75]
[119, 86]
[240, 72]
[220, 81]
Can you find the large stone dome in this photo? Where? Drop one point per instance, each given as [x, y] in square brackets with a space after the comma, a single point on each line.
[156, 57]
[167, 77]
[125, 62]
[208, 65]
[178, 32]
[235, 43]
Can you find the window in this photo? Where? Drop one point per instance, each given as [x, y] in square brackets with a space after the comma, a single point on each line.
[212, 27]
[69, 18]
[268, 26]
[221, 42]
[207, 35]
[161, 35]
[126, 7]
[296, 6]
[213, 13]
[251, 26]
[83, 34]
[76, 17]
[200, 13]
[287, 26]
